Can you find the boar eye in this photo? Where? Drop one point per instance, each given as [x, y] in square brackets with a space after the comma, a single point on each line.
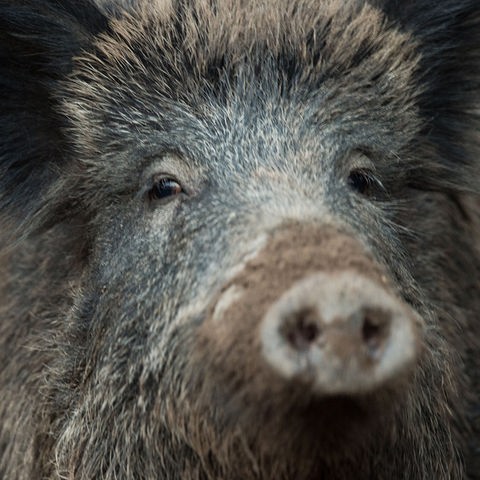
[362, 181]
[163, 188]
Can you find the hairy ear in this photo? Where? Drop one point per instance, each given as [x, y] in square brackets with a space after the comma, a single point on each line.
[38, 40]
[448, 36]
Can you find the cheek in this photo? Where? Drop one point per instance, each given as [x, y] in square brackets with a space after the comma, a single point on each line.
[160, 219]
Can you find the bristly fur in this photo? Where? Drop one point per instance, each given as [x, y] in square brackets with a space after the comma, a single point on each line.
[90, 290]
[37, 46]
[310, 42]
[448, 41]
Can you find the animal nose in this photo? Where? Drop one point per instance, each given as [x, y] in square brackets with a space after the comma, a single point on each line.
[341, 332]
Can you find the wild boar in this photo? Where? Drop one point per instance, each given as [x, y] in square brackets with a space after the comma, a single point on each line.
[239, 239]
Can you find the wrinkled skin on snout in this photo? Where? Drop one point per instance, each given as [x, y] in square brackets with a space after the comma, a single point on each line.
[240, 240]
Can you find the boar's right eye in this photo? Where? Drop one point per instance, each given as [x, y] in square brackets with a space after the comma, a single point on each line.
[164, 188]
[363, 182]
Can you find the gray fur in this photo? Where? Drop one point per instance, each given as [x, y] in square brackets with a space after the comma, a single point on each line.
[260, 110]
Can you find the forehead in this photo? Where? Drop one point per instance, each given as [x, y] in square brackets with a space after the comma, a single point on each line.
[265, 71]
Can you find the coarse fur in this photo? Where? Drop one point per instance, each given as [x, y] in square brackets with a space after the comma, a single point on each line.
[260, 109]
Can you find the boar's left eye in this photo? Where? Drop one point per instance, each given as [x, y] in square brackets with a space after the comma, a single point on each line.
[363, 182]
[164, 188]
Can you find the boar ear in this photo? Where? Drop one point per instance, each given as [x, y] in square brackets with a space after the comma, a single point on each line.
[448, 37]
[38, 40]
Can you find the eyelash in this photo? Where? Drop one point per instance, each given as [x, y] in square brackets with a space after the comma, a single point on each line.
[164, 189]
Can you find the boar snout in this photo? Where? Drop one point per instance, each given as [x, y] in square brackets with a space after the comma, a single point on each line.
[341, 332]
[310, 326]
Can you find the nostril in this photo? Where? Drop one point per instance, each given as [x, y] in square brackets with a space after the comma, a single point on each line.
[301, 328]
[375, 329]
[370, 330]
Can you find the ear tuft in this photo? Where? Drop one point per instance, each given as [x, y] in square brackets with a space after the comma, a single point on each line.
[38, 40]
[448, 35]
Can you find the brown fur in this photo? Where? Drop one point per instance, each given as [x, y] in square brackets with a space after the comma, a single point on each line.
[229, 348]
[116, 363]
